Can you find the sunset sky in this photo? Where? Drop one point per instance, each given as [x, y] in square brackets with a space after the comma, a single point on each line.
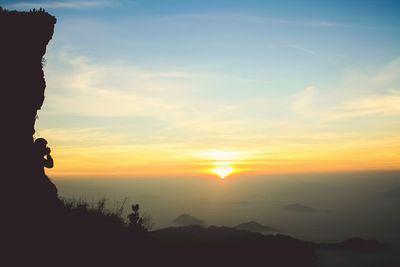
[179, 88]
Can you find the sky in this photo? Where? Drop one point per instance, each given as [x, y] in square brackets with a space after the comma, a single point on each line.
[191, 88]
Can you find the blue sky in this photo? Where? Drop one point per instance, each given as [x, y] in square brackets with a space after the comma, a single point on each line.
[294, 85]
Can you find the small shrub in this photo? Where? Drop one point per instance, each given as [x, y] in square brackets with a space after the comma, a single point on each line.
[135, 222]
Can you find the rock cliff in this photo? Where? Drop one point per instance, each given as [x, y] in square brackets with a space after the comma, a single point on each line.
[25, 189]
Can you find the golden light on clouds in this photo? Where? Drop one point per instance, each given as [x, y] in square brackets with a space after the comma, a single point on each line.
[178, 161]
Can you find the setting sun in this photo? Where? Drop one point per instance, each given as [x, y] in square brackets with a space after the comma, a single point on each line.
[223, 171]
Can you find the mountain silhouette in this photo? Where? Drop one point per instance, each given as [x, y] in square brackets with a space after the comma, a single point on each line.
[187, 220]
[225, 246]
[253, 226]
[356, 244]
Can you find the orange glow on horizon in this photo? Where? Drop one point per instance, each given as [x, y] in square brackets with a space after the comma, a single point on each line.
[138, 162]
[223, 171]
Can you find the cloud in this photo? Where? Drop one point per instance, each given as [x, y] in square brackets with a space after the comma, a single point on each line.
[391, 73]
[306, 103]
[78, 86]
[302, 101]
[359, 94]
[386, 104]
[122, 100]
[82, 136]
[62, 4]
[255, 19]
[299, 48]
[326, 109]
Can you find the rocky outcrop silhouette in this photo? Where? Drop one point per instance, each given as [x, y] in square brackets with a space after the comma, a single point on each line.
[30, 206]
[24, 38]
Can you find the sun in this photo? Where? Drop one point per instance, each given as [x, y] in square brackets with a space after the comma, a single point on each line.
[222, 163]
[222, 171]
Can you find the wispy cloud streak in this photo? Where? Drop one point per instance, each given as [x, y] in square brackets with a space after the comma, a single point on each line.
[62, 4]
[242, 18]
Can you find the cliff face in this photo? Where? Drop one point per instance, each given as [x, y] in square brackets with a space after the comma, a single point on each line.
[24, 37]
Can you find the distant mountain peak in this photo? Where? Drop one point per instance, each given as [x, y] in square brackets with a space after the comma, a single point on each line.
[186, 220]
